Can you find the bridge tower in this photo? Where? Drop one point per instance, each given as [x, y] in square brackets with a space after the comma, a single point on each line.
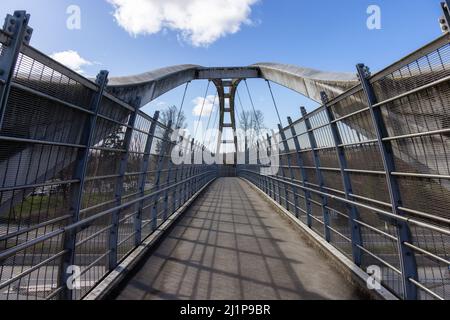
[226, 90]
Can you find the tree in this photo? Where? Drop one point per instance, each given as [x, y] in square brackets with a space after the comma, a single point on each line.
[252, 123]
[173, 114]
[251, 120]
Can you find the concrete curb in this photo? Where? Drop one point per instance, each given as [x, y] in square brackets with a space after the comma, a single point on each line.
[352, 272]
[114, 278]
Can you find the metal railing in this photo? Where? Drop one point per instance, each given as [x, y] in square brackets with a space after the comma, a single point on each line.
[84, 176]
[369, 171]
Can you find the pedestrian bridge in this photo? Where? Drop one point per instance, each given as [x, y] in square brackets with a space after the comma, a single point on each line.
[232, 245]
[93, 205]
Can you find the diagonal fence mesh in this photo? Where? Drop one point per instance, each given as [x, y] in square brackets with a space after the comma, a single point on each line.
[130, 186]
[413, 97]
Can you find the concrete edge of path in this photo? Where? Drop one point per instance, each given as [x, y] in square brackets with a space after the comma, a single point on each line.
[351, 271]
[114, 278]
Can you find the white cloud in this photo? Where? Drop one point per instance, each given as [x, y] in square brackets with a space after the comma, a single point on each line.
[208, 106]
[72, 60]
[161, 104]
[199, 22]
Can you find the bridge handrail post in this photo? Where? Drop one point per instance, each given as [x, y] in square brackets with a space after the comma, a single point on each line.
[174, 189]
[167, 185]
[120, 188]
[184, 171]
[262, 181]
[143, 179]
[316, 158]
[291, 173]
[18, 31]
[69, 241]
[162, 153]
[188, 184]
[273, 194]
[301, 164]
[346, 182]
[408, 262]
[195, 170]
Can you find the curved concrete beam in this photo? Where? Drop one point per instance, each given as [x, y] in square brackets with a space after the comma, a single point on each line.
[150, 85]
[308, 82]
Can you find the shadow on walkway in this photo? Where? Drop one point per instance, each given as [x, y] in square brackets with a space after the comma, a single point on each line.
[232, 245]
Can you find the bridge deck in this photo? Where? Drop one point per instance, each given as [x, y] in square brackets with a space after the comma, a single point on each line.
[232, 245]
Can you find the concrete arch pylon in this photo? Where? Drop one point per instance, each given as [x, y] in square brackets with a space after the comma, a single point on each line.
[308, 82]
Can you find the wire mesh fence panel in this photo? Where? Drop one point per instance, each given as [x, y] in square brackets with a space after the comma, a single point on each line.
[413, 97]
[73, 159]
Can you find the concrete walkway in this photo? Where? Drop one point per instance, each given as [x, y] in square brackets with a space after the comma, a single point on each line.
[232, 245]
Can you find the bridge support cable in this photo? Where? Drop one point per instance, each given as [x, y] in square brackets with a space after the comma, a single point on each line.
[177, 123]
[408, 261]
[216, 129]
[285, 156]
[266, 142]
[352, 211]
[209, 119]
[69, 241]
[274, 102]
[316, 159]
[246, 142]
[253, 107]
[201, 111]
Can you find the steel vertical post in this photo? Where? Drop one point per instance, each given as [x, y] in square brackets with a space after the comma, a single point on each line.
[143, 178]
[407, 257]
[312, 141]
[273, 194]
[291, 173]
[166, 193]
[174, 190]
[16, 27]
[190, 173]
[77, 192]
[119, 188]
[162, 155]
[346, 182]
[300, 162]
[262, 181]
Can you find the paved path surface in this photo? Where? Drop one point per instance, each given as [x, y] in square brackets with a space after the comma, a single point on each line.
[232, 245]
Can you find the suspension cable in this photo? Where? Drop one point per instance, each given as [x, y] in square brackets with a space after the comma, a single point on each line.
[240, 103]
[258, 125]
[217, 129]
[177, 124]
[274, 102]
[209, 119]
[201, 111]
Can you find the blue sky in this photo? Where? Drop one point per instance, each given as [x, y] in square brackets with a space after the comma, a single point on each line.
[328, 35]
